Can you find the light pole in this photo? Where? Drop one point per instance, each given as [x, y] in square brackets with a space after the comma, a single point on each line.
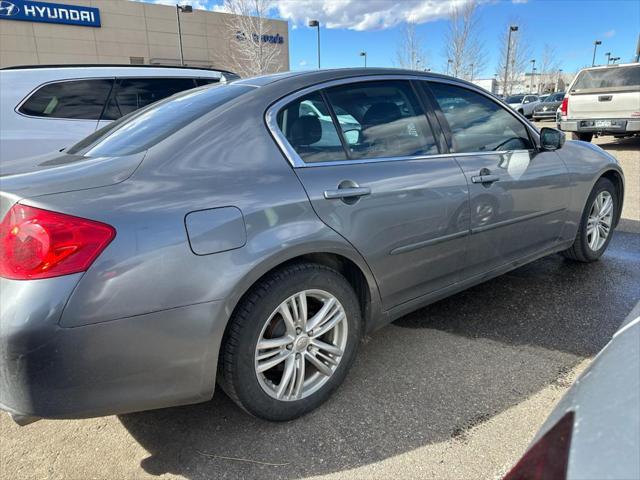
[449, 62]
[316, 23]
[183, 9]
[614, 60]
[471, 72]
[512, 28]
[364, 54]
[608, 55]
[533, 69]
[558, 82]
[595, 47]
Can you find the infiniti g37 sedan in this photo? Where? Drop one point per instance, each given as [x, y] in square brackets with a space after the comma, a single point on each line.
[230, 234]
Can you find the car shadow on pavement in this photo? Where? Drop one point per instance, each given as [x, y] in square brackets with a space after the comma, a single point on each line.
[620, 144]
[425, 379]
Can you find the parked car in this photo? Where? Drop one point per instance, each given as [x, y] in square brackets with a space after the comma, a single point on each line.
[214, 235]
[46, 108]
[594, 432]
[523, 104]
[603, 101]
[542, 98]
[548, 107]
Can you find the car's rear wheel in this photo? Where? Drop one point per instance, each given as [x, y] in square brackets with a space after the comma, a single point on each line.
[596, 225]
[584, 136]
[290, 342]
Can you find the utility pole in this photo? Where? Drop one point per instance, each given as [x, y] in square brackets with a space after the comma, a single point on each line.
[533, 69]
[364, 54]
[595, 46]
[512, 28]
[183, 9]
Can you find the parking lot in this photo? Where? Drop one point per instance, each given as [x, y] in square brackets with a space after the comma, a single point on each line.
[455, 390]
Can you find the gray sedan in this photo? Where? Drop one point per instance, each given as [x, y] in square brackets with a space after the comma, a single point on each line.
[229, 234]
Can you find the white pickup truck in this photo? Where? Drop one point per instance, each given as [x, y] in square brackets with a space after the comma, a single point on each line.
[603, 101]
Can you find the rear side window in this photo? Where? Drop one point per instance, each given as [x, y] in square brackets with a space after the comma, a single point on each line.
[309, 128]
[144, 128]
[77, 99]
[477, 123]
[626, 78]
[130, 94]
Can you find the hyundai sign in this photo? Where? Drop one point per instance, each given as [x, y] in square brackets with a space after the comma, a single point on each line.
[28, 11]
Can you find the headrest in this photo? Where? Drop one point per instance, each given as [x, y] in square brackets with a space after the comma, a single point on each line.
[380, 113]
[305, 131]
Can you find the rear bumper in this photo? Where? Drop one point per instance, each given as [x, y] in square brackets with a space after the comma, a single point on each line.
[144, 362]
[617, 125]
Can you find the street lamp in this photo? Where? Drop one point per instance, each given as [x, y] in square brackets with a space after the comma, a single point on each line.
[533, 69]
[608, 54]
[558, 82]
[595, 46]
[614, 60]
[471, 72]
[512, 28]
[316, 23]
[449, 62]
[183, 9]
[364, 54]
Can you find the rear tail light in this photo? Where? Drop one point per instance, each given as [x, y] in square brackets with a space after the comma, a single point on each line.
[37, 243]
[549, 456]
[564, 108]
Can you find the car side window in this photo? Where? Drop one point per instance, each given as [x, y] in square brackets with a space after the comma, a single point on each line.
[130, 94]
[381, 119]
[307, 124]
[77, 99]
[477, 123]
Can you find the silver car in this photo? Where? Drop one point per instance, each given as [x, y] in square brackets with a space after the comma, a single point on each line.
[230, 234]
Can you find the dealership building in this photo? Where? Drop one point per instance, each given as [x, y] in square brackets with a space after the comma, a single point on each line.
[126, 32]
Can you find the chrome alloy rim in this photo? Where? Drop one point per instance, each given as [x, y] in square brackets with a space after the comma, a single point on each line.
[599, 221]
[301, 345]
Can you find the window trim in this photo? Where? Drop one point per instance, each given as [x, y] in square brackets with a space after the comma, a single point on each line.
[42, 85]
[271, 114]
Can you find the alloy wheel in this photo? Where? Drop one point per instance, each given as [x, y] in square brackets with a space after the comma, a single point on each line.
[599, 220]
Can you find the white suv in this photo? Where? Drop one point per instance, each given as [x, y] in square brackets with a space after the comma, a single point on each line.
[47, 108]
[603, 101]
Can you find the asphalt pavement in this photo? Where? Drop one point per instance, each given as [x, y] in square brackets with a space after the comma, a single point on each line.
[455, 390]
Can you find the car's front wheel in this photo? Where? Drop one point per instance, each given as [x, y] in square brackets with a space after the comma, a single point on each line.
[596, 225]
[290, 342]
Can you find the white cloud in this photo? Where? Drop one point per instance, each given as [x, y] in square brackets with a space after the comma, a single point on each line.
[303, 63]
[364, 15]
[609, 34]
[519, 1]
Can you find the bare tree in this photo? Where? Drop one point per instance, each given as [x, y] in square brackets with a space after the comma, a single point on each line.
[462, 42]
[549, 69]
[518, 57]
[255, 48]
[409, 53]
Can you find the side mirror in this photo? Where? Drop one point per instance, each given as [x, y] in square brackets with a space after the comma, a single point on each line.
[551, 139]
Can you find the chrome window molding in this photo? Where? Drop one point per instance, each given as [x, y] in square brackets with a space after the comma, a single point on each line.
[271, 120]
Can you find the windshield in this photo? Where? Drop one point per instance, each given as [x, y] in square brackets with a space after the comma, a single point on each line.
[515, 99]
[144, 128]
[556, 97]
[613, 77]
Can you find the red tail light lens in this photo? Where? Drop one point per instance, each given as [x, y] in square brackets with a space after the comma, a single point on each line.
[564, 108]
[549, 456]
[37, 243]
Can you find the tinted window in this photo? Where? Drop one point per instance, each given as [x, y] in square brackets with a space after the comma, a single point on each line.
[147, 126]
[477, 123]
[206, 81]
[615, 77]
[81, 99]
[130, 94]
[381, 119]
[307, 124]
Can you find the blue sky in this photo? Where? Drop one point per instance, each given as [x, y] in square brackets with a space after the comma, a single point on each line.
[570, 26]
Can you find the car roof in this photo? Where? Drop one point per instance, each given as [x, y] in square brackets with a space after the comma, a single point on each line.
[112, 66]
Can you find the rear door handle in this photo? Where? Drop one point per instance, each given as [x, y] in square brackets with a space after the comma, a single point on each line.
[349, 192]
[485, 179]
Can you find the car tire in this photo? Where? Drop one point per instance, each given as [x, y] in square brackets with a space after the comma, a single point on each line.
[584, 136]
[258, 319]
[583, 248]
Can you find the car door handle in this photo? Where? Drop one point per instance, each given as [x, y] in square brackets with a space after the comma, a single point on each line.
[485, 179]
[348, 192]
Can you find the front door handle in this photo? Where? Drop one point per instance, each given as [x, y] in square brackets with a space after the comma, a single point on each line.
[488, 179]
[348, 192]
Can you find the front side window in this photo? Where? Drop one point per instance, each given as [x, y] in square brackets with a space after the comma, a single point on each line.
[381, 119]
[130, 94]
[309, 128]
[77, 99]
[477, 123]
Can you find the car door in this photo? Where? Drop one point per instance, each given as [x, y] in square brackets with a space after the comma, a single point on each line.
[381, 183]
[58, 114]
[518, 194]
